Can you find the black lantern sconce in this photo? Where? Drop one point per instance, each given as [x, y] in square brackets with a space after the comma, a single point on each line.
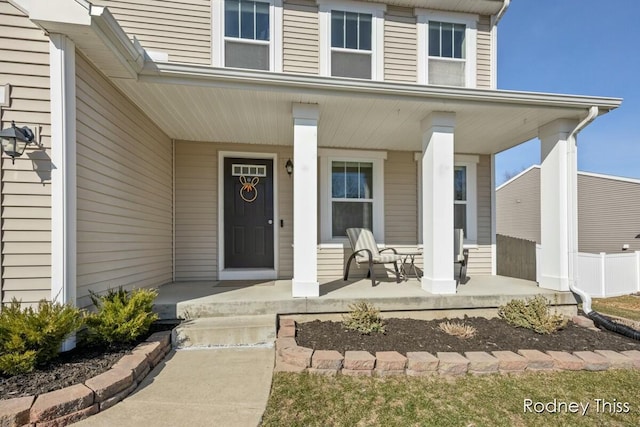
[289, 167]
[15, 140]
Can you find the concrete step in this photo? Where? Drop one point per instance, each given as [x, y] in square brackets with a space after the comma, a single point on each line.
[226, 331]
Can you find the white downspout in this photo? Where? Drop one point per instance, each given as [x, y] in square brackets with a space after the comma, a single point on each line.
[573, 230]
[500, 13]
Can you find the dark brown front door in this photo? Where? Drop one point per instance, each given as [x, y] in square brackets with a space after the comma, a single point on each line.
[248, 213]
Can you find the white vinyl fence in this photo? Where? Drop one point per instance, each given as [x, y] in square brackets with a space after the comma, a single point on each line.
[606, 275]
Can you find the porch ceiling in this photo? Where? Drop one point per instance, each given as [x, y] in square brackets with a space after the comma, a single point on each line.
[207, 104]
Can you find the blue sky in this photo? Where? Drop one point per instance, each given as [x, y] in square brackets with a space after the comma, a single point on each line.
[580, 47]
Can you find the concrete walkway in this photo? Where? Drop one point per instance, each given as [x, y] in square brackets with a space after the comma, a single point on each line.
[208, 387]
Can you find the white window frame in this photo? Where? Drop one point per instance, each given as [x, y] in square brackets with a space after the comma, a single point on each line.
[471, 34]
[377, 34]
[470, 161]
[275, 35]
[327, 156]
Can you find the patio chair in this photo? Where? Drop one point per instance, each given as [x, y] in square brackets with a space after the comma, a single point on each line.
[460, 255]
[366, 250]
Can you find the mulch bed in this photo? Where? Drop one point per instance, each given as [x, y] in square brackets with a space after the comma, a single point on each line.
[72, 367]
[404, 335]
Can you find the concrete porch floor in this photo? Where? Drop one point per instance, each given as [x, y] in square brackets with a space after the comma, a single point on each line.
[189, 300]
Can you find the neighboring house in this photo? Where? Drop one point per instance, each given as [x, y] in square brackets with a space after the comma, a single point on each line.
[608, 210]
[168, 127]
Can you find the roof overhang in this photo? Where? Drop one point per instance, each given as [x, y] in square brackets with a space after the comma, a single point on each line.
[481, 7]
[203, 103]
[216, 104]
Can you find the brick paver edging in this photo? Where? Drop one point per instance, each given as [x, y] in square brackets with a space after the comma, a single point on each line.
[70, 404]
[292, 358]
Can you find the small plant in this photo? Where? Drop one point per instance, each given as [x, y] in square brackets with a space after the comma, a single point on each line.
[122, 316]
[532, 314]
[458, 329]
[364, 318]
[31, 337]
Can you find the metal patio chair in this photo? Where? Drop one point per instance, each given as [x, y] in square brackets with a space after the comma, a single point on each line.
[365, 250]
[460, 255]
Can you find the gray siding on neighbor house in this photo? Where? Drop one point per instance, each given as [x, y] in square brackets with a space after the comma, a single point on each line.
[400, 45]
[26, 185]
[518, 207]
[608, 211]
[181, 28]
[124, 190]
[196, 187]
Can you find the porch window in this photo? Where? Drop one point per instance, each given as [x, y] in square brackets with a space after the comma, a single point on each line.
[446, 53]
[351, 193]
[248, 36]
[351, 44]
[460, 198]
[351, 196]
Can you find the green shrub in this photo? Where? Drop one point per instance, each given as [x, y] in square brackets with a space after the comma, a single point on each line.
[121, 316]
[31, 337]
[364, 318]
[532, 314]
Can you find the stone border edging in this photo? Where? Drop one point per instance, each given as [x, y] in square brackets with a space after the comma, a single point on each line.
[292, 358]
[74, 403]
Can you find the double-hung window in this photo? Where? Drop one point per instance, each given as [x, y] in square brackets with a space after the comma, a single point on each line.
[447, 48]
[352, 193]
[351, 39]
[460, 198]
[447, 53]
[351, 44]
[246, 33]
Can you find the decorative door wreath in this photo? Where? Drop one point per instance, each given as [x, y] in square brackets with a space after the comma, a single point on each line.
[249, 187]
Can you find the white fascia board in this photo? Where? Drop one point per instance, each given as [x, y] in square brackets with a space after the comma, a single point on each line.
[613, 177]
[222, 77]
[55, 11]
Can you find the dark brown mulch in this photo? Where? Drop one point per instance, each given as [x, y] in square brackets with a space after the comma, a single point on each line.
[72, 367]
[403, 335]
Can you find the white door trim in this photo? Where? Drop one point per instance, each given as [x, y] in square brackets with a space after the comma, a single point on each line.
[246, 273]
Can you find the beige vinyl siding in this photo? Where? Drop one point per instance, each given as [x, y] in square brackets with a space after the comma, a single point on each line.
[196, 184]
[300, 37]
[518, 207]
[26, 185]
[480, 257]
[181, 28]
[400, 45]
[483, 69]
[400, 198]
[124, 190]
[608, 214]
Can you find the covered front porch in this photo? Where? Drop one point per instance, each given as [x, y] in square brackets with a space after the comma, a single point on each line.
[480, 296]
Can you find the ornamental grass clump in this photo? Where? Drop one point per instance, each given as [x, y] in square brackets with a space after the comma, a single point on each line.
[31, 337]
[364, 318]
[532, 314]
[457, 329]
[122, 316]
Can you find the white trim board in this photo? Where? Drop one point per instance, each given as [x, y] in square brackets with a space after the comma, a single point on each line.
[247, 273]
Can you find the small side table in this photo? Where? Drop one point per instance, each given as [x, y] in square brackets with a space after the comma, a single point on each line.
[409, 256]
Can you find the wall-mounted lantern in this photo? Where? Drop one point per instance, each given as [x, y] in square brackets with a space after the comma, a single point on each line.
[289, 167]
[15, 140]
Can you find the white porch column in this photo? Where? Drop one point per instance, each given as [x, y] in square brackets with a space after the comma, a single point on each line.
[305, 201]
[62, 53]
[558, 204]
[437, 202]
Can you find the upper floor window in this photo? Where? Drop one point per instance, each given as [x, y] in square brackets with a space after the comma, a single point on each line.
[446, 48]
[351, 39]
[246, 30]
[351, 44]
[249, 34]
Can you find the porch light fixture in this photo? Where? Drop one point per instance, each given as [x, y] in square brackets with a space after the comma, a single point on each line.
[15, 140]
[289, 167]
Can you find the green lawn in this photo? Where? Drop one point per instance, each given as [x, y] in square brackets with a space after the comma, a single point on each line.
[627, 306]
[493, 400]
